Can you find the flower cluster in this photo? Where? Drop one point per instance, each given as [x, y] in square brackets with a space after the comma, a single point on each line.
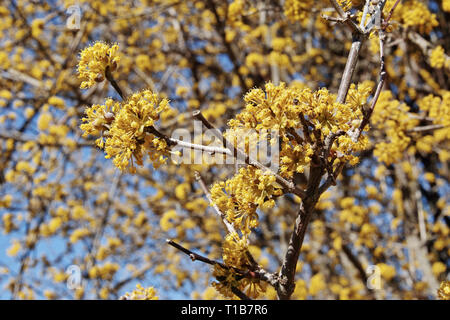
[438, 58]
[98, 120]
[239, 197]
[391, 117]
[140, 293]
[128, 137]
[438, 109]
[124, 129]
[413, 14]
[304, 119]
[235, 256]
[297, 10]
[93, 63]
[444, 290]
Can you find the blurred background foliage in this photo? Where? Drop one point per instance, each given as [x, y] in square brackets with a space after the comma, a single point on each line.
[63, 204]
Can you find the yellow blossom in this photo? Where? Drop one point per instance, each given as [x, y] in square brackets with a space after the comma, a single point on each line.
[437, 57]
[444, 289]
[128, 136]
[140, 293]
[93, 63]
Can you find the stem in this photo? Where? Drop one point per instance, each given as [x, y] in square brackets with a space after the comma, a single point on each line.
[239, 293]
[286, 276]
[228, 225]
[194, 256]
[174, 142]
[350, 67]
[113, 82]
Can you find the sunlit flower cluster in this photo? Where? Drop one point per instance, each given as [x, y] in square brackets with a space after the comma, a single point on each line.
[297, 10]
[438, 109]
[98, 120]
[93, 63]
[391, 117]
[140, 293]
[239, 197]
[235, 250]
[128, 138]
[446, 5]
[444, 290]
[437, 58]
[304, 118]
[394, 120]
[413, 14]
[124, 129]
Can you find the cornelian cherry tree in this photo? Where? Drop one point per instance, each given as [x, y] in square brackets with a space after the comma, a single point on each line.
[97, 199]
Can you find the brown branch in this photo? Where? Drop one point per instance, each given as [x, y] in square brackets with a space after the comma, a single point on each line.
[286, 275]
[383, 75]
[194, 256]
[386, 21]
[345, 18]
[239, 293]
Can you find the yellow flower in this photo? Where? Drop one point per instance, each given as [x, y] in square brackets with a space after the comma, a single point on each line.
[437, 57]
[140, 293]
[297, 10]
[56, 101]
[37, 26]
[234, 251]
[128, 136]
[14, 249]
[438, 268]
[77, 234]
[44, 120]
[240, 196]
[227, 279]
[387, 272]
[165, 222]
[98, 119]
[317, 284]
[444, 289]
[446, 5]
[93, 63]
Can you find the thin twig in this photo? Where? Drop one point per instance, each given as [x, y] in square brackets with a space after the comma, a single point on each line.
[194, 256]
[173, 142]
[202, 184]
[431, 127]
[345, 16]
[239, 293]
